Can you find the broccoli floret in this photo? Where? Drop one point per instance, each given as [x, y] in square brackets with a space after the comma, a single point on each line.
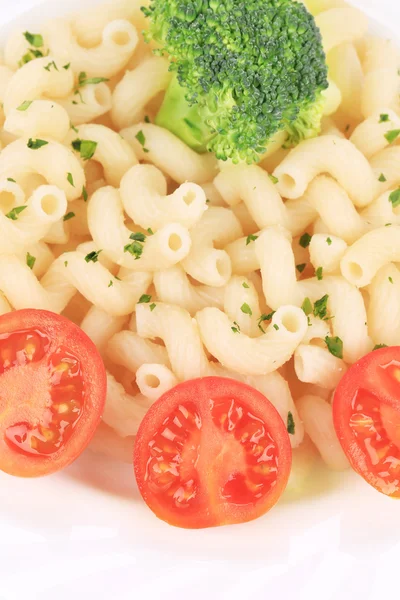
[243, 70]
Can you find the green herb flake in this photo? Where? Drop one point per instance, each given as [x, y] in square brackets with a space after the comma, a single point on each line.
[276, 327]
[34, 39]
[24, 106]
[67, 66]
[138, 237]
[390, 279]
[273, 178]
[264, 318]
[394, 198]
[245, 308]
[382, 178]
[321, 307]
[84, 80]
[36, 144]
[65, 263]
[379, 346]
[86, 148]
[245, 285]
[305, 240]
[93, 256]
[290, 426]
[335, 346]
[319, 273]
[111, 283]
[329, 241]
[30, 260]
[142, 140]
[152, 306]
[388, 224]
[84, 194]
[392, 135]
[74, 128]
[11, 179]
[251, 238]
[50, 65]
[236, 328]
[150, 231]
[384, 118]
[301, 267]
[306, 307]
[70, 179]
[13, 214]
[147, 119]
[69, 216]
[135, 249]
[144, 299]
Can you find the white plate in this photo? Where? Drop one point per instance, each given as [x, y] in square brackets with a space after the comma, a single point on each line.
[85, 533]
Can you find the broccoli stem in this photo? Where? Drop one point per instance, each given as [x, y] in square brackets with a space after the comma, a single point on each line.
[182, 119]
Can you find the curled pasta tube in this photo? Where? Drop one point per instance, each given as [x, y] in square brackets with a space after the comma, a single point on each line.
[16, 47]
[180, 335]
[346, 70]
[173, 287]
[33, 82]
[119, 40]
[53, 161]
[369, 136]
[381, 82]
[316, 415]
[261, 197]
[137, 88]
[144, 196]
[43, 118]
[326, 252]
[339, 25]
[242, 306]
[387, 163]
[112, 152]
[318, 366]
[100, 326]
[383, 306]
[326, 154]
[166, 247]
[170, 154]
[123, 412]
[154, 380]
[252, 356]
[374, 250]
[46, 206]
[207, 264]
[131, 351]
[93, 101]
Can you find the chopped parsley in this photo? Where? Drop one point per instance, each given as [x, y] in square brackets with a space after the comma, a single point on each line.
[65, 263]
[111, 283]
[68, 216]
[138, 237]
[30, 55]
[36, 144]
[335, 346]
[290, 426]
[382, 178]
[93, 256]
[245, 308]
[264, 318]
[142, 140]
[245, 285]
[74, 128]
[70, 179]
[13, 214]
[51, 64]
[84, 194]
[25, 105]
[150, 231]
[379, 346]
[86, 148]
[390, 279]
[67, 66]
[84, 80]
[144, 299]
[329, 241]
[152, 306]
[321, 307]
[251, 238]
[301, 267]
[273, 178]
[236, 328]
[136, 249]
[276, 327]
[305, 240]
[147, 119]
[11, 179]
[394, 198]
[34, 39]
[383, 118]
[392, 135]
[306, 307]
[30, 260]
[319, 273]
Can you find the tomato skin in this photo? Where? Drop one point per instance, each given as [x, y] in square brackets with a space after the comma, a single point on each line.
[61, 332]
[366, 415]
[218, 455]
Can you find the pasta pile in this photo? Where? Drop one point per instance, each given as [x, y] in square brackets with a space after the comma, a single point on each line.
[177, 266]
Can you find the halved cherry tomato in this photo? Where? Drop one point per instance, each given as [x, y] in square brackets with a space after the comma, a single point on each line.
[52, 392]
[366, 412]
[210, 452]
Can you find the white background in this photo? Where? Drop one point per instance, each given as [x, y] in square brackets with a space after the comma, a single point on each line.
[85, 533]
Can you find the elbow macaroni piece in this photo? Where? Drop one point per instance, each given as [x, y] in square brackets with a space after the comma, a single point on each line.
[137, 88]
[144, 196]
[131, 351]
[53, 162]
[101, 327]
[93, 101]
[43, 119]
[326, 154]
[327, 252]
[242, 306]
[16, 47]
[118, 43]
[170, 154]
[387, 163]
[381, 84]
[180, 335]
[252, 356]
[154, 380]
[369, 136]
[168, 246]
[381, 212]
[205, 263]
[316, 365]
[384, 306]
[346, 70]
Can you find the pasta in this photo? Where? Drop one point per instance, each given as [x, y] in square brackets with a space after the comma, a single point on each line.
[43, 118]
[93, 101]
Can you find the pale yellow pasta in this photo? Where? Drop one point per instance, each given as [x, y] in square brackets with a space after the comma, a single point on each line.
[346, 71]
[170, 154]
[42, 119]
[370, 136]
[339, 25]
[173, 287]
[92, 101]
[17, 46]
[326, 252]
[316, 415]
[180, 334]
[318, 6]
[242, 306]
[100, 326]
[206, 262]
[241, 212]
[384, 306]
[6, 75]
[252, 356]
[329, 127]
[112, 151]
[131, 351]
[316, 365]
[145, 199]
[333, 98]
[118, 43]
[317, 330]
[53, 162]
[137, 88]
[335, 208]
[386, 163]
[78, 224]
[326, 154]
[154, 380]
[242, 254]
[37, 80]
[168, 246]
[58, 233]
[43, 257]
[122, 411]
[381, 84]
[374, 250]
[381, 212]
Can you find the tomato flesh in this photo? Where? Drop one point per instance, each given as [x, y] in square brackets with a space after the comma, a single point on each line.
[212, 451]
[45, 392]
[367, 418]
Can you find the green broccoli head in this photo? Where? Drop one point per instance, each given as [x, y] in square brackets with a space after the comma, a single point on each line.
[243, 71]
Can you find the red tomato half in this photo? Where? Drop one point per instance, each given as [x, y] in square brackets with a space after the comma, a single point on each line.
[366, 412]
[210, 452]
[52, 392]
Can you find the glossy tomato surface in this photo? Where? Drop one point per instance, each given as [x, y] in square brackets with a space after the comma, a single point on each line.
[212, 451]
[366, 412]
[52, 392]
